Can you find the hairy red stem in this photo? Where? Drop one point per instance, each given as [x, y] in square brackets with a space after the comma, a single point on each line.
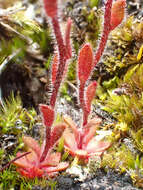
[47, 144]
[82, 104]
[67, 38]
[105, 33]
[59, 76]
[62, 61]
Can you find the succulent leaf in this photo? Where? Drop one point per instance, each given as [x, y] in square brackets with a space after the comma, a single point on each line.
[97, 146]
[61, 166]
[69, 140]
[67, 119]
[22, 162]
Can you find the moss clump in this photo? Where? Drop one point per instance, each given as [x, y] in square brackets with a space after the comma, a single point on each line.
[126, 42]
[14, 118]
[10, 179]
[125, 103]
[120, 158]
[87, 22]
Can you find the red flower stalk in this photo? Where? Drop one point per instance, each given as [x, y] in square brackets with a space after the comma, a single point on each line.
[54, 68]
[64, 53]
[113, 16]
[89, 146]
[59, 67]
[64, 48]
[67, 38]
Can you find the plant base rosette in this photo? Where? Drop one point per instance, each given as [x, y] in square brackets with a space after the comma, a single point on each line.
[30, 165]
[82, 143]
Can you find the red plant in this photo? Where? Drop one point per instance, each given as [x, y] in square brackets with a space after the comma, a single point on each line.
[82, 143]
[42, 161]
[31, 165]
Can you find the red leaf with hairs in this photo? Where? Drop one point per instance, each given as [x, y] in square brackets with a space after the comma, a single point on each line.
[85, 63]
[90, 130]
[56, 134]
[117, 13]
[50, 7]
[32, 144]
[90, 93]
[72, 125]
[48, 114]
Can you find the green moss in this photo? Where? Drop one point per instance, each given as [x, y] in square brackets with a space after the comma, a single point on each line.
[10, 179]
[121, 159]
[94, 3]
[11, 111]
[138, 139]
[128, 106]
[125, 103]
[124, 47]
